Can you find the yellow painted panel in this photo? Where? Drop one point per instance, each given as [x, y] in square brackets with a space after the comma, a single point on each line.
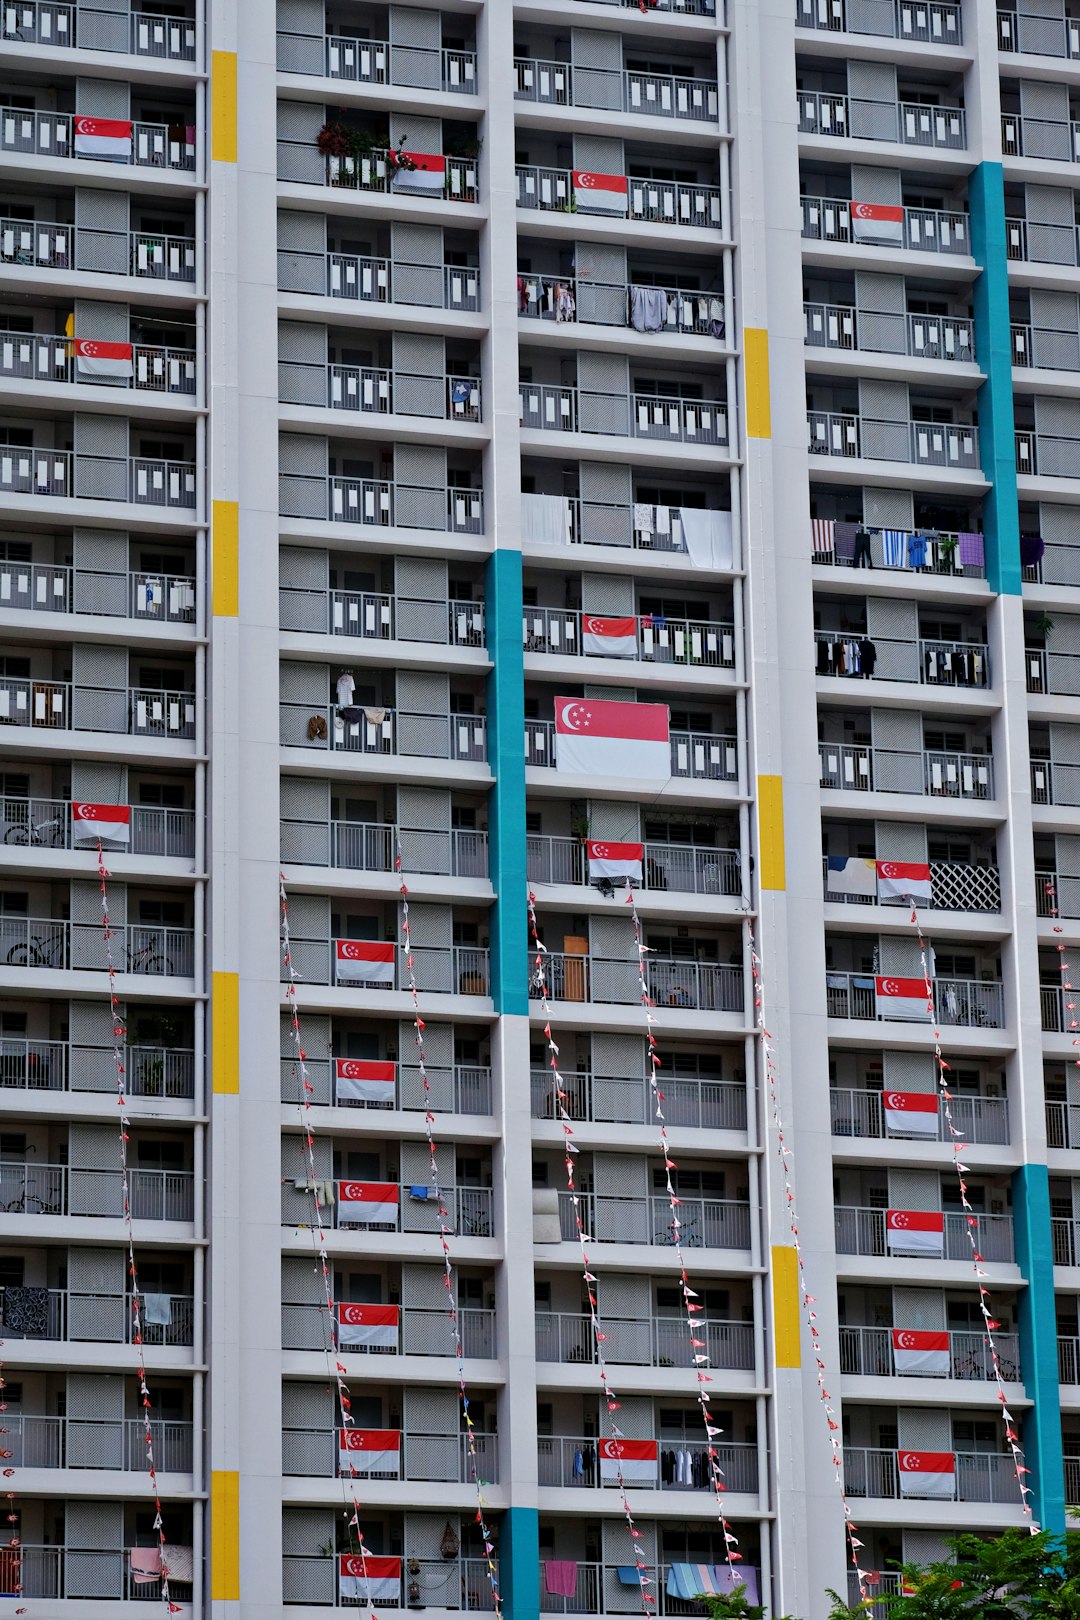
[756, 366]
[785, 1284]
[225, 559]
[225, 1033]
[224, 1536]
[771, 831]
[223, 107]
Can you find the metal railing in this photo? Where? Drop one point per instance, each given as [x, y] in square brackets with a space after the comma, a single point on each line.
[462, 1089]
[924, 230]
[644, 1341]
[699, 986]
[379, 731]
[1069, 1366]
[470, 1212]
[51, 135]
[704, 1223]
[420, 1333]
[163, 258]
[556, 408]
[980, 1476]
[658, 640]
[1062, 1124]
[688, 868]
[935, 23]
[701, 755]
[689, 1100]
[438, 1458]
[378, 502]
[928, 444]
[656, 95]
[862, 1231]
[56, 1189]
[47, 942]
[150, 1071]
[867, 1352]
[1056, 1015]
[954, 886]
[664, 202]
[50, 1572]
[1039, 36]
[861, 768]
[41, 358]
[372, 390]
[54, 22]
[599, 1587]
[594, 302]
[51, 473]
[1014, 132]
[930, 337]
[48, 824]
[52, 588]
[937, 663]
[371, 846]
[459, 1584]
[68, 1316]
[823, 113]
[449, 970]
[372, 61]
[376, 616]
[1066, 1237]
[942, 556]
[382, 281]
[982, 1120]
[572, 1460]
[375, 172]
[970, 1003]
[67, 1442]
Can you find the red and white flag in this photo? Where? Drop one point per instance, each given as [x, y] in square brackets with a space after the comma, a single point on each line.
[915, 1232]
[368, 1324]
[615, 860]
[109, 822]
[356, 1080]
[428, 179]
[911, 1113]
[877, 222]
[368, 1203]
[927, 1473]
[901, 998]
[103, 138]
[365, 1579]
[94, 359]
[369, 1451]
[599, 738]
[637, 1460]
[370, 960]
[925, 1354]
[600, 193]
[609, 638]
[904, 880]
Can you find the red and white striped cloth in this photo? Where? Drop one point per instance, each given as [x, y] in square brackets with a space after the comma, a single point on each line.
[824, 534]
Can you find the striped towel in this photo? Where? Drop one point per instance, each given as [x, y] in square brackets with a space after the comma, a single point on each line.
[824, 533]
[893, 547]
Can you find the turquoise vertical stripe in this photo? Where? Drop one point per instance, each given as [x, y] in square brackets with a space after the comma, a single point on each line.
[1038, 1344]
[506, 755]
[993, 350]
[519, 1564]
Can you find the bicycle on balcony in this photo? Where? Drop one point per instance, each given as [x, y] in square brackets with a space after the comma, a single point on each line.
[49, 834]
[687, 1234]
[147, 959]
[40, 950]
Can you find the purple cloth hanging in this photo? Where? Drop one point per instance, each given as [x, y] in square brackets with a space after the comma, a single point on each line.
[1032, 547]
[844, 542]
[971, 550]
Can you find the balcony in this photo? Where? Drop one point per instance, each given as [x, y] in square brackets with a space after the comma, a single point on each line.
[61, 1442]
[980, 1476]
[688, 868]
[47, 824]
[983, 1121]
[924, 230]
[421, 1458]
[56, 23]
[1039, 36]
[1062, 1125]
[954, 886]
[149, 1071]
[454, 970]
[1069, 1369]
[418, 1333]
[50, 245]
[78, 1573]
[462, 1089]
[599, 1586]
[55, 1189]
[571, 1460]
[698, 755]
[66, 1316]
[650, 95]
[358, 278]
[925, 444]
[29, 133]
[377, 616]
[867, 1352]
[932, 663]
[700, 986]
[863, 1231]
[691, 1101]
[942, 552]
[668, 419]
[560, 299]
[860, 768]
[378, 391]
[1066, 1236]
[364, 846]
[299, 162]
[1040, 139]
[650, 1341]
[379, 503]
[1054, 782]
[1057, 1015]
[686, 643]
[909, 123]
[704, 1223]
[962, 1003]
[63, 706]
[137, 948]
[42, 359]
[657, 202]
[349, 60]
[701, 533]
[935, 23]
[469, 1211]
[52, 588]
[463, 1584]
[925, 337]
[384, 732]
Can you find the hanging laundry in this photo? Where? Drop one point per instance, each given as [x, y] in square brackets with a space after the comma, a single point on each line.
[560, 1577]
[716, 318]
[1032, 547]
[823, 531]
[565, 305]
[893, 547]
[867, 657]
[916, 550]
[346, 686]
[648, 308]
[971, 550]
[863, 557]
[844, 537]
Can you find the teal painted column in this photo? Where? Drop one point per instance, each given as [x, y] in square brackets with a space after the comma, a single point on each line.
[1038, 1344]
[519, 1564]
[993, 351]
[506, 755]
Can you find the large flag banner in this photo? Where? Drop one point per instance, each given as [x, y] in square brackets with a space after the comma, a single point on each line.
[637, 1460]
[877, 222]
[599, 738]
[911, 1113]
[901, 998]
[357, 1080]
[428, 179]
[915, 1232]
[366, 1579]
[600, 193]
[927, 1473]
[368, 1203]
[369, 1451]
[103, 138]
[369, 960]
[904, 880]
[368, 1324]
[609, 638]
[615, 860]
[923, 1354]
[96, 359]
[851, 874]
[109, 822]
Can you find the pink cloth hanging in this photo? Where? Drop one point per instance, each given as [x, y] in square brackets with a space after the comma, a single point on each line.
[560, 1577]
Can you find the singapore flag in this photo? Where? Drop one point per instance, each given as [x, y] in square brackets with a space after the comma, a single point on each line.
[911, 1113]
[369, 1451]
[598, 738]
[368, 1203]
[904, 880]
[915, 1232]
[901, 998]
[367, 959]
[927, 1473]
[94, 359]
[600, 193]
[358, 1080]
[363, 1579]
[108, 138]
[615, 861]
[921, 1353]
[609, 638]
[109, 822]
[877, 222]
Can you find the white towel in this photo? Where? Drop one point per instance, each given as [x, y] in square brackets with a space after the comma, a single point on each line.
[707, 536]
[545, 519]
[181, 1562]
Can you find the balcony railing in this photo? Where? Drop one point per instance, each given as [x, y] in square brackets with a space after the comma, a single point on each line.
[51, 588]
[1039, 36]
[63, 1442]
[365, 280]
[557, 408]
[935, 23]
[982, 1120]
[1054, 782]
[980, 1476]
[39, 358]
[49, 245]
[867, 1352]
[378, 391]
[968, 1003]
[52, 473]
[927, 337]
[55, 22]
[380, 503]
[933, 663]
[689, 1100]
[1062, 1124]
[689, 868]
[572, 1460]
[1069, 1367]
[860, 768]
[701, 755]
[700, 986]
[375, 61]
[470, 1211]
[704, 1223]
[862, 1231]
[1055, 244]
[420, 1333]
[649, 1341]
[453, 970]
[374, 172]
[384, 731]
[67, 1316]
[56, 1189]
[690, 643]
[366, 846]
[942, 555]
[662, 202]
[149, 1071]
[584, 299]
[448, 1583]
[1066, 1235]
[924, 230]
[954, 886]
[46, 942]
[909, 123]
[422, 1458]
[927, 444]
[47, 823]
[654, 95]
[51, 135]
[463, 1089]
[62, 706]
[1027, 137]
[377, 616]
[80, 1573]
[597, 1590]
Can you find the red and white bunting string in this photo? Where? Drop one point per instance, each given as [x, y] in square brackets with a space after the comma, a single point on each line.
[13, 1544]
[119, 1031]
[698, 1347]
[334, 1367]
[971, 1226]
[1070, 1021]
[558, 1092]
[784, 1153]
[443, 1217]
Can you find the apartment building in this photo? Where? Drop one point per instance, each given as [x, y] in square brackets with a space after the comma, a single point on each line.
[719, 357]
